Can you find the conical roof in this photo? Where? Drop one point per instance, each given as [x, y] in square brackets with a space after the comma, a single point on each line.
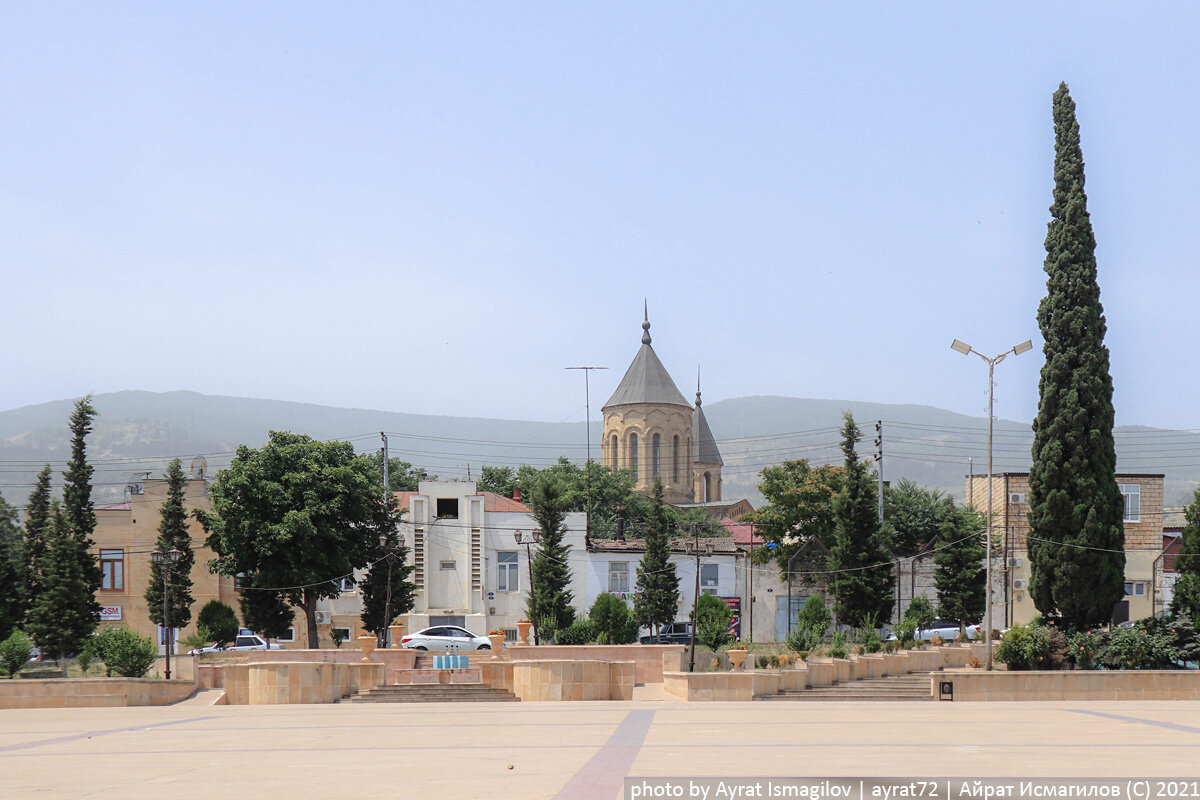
[647, 380]
[704, 446]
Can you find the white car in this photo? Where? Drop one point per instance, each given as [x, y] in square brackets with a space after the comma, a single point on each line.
[946, 629]
[440, 637]
[243, 642]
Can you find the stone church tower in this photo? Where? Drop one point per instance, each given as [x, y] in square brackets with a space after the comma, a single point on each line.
[651, 429]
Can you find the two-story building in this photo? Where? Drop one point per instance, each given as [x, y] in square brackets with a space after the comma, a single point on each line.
[1143, 522]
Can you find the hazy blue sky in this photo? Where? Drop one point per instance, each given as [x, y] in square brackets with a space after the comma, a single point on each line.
[435, 207]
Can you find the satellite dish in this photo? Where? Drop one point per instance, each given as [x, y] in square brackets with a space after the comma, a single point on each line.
[199, 468]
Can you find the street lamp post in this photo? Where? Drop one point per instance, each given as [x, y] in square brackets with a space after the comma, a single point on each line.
[166, 561]
[966, 349]
[528, 539]
[587, 475]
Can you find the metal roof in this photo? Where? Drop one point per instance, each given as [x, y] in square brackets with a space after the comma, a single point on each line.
[647, 380]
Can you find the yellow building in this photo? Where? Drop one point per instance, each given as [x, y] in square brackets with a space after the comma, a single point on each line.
[1143, 522]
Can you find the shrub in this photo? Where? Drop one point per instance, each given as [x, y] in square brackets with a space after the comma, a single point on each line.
[837, 648]
[124, 652]
[804, 638]
[906, 632]
[936, 641]
[613, 620]
[920, 613]
[84, 660]
[1027, 647]
[337, 636]
[868, 638]
[764, 662]
[1084, 649]
[713, 618]
[547, 630]
[14, 653]
[815, 616]
[581, 631]
[196, 640]
[220, 622]
[1139, 648]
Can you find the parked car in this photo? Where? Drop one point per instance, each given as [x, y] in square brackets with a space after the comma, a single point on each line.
[946, 629]
[441, 637]
[671, 633]
[242, 642]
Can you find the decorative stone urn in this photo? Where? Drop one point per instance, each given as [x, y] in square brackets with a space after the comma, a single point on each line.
[396, 633]
[367, 642]
[523, 629]
[737, 658]
[497, 640]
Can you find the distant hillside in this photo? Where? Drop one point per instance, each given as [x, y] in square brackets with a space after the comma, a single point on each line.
[140, 431]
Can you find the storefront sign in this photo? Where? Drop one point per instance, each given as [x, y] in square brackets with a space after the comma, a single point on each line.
[110, 612]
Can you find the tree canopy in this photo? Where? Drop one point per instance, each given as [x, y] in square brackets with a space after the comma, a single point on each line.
[173, 534]
[797, 522]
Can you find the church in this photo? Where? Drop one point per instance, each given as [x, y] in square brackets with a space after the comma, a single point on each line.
[653, 431]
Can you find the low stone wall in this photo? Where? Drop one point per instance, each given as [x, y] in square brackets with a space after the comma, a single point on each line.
[551, 679]
[974, 685]
[210, 667]
[821, 672]
[280, 682]
[92, 692]
[956, 656]
[869, 666]
[649, 659]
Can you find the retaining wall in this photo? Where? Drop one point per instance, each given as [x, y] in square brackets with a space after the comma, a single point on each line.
[92, 692]
[974, 685]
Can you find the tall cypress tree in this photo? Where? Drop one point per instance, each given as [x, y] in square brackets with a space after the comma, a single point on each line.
[389, 567]
[57, 619]
[656, 597]
[1076, 537]
[861, 579]
[1187, 562]
[79, 513]
[173, 534]
[550, 597]
[12, 571]
[37, 522]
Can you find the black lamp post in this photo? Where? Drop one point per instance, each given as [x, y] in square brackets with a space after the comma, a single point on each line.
[166, 561]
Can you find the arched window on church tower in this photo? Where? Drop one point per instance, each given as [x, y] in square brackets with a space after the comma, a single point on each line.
[633, 455]
[654, 456]
[707, 488]
[675, 460]
[614, 461]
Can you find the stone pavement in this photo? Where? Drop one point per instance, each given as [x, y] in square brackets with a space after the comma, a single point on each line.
[569, 750]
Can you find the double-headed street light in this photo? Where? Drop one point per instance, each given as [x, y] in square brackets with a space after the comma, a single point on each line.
[166, 561]
[966, 350]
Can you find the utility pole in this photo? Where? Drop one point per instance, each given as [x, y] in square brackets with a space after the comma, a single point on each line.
[696, 595]
[879, 465]
[523, 539]
[587, 433]
[386, 633]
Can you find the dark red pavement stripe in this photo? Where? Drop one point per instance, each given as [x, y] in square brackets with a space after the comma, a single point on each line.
[603, 776]
[95, 734]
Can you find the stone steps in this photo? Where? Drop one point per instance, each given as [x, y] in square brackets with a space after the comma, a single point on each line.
[434, 693]
[905, 688]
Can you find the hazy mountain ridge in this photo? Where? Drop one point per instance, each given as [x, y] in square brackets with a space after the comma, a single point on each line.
[139, 431]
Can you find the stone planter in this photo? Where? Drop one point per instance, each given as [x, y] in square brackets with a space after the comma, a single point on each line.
[497, 640]
[523, 629]
[396, 633]
[737, 658]
[367, 642]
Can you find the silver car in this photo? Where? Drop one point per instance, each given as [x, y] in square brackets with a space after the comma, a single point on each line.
[442, 637]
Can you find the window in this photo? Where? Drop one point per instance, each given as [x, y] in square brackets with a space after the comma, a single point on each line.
[618, 576]
[112, 567]
[290, 636]
[340, 633]
[654, 442]
[633, 455]
[345, 584]
[1135, 589]
[675, 460]
[616, 463]
[447, 508]
[1132, 493]
[708, 575]
[506, 564]
[240, 582]
[447, 565]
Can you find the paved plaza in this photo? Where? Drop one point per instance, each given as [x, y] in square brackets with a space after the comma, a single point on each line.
[569, 750]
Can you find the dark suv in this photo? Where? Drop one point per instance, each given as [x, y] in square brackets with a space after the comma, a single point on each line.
[673, 633]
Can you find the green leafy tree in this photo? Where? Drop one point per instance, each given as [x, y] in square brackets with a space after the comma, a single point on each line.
[1187, 562]
[613, 620]
[297, 513]
[815, 616]
[37, 522]
[861, 579]
[797, 522]
[266, 612]
[173, 534]
[389, 568]
[920, 613]
[1076, 539]
[713, 617]
[501, 480]
[550, 598]
[219, 621]
[914, 517]
[58, 619]
[124, 652]
[78, 510]
[15, 650]
[12, 571]
[656, 597]
[960, 574]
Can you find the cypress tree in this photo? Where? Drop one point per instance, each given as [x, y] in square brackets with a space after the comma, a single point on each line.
[12, 571]
[37, 521]
[173, 534]
[960, 574]
[1076, 537]
[79, 513]
[550, 597]
[58, 622]
[861, 580]
[1187, 563]
[389, 567]
[656, 597]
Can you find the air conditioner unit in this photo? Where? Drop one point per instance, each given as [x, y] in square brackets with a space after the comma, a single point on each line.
[324, 617]
[1015, 561]
[1016, 497]
[1020, 584]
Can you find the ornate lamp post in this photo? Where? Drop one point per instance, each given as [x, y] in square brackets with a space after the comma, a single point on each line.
[166, 561]
[528, 539]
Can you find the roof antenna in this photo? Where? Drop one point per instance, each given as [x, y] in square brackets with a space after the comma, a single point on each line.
[645, 322]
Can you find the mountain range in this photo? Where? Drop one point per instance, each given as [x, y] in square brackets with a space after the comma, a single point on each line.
[138, 432]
